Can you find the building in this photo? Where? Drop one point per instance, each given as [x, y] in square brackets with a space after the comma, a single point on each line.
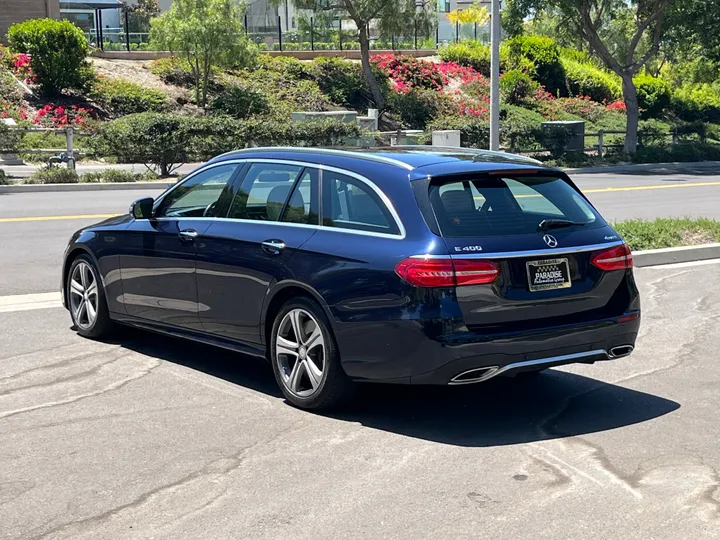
[14, 11]
[87, 14]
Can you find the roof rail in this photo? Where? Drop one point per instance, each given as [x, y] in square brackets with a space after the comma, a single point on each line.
[328, 151]
[477, 151]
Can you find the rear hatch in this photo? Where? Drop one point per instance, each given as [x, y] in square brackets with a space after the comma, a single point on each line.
[557, 260]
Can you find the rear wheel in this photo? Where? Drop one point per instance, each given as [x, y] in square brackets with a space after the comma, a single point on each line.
[305, 358]
[86, 299]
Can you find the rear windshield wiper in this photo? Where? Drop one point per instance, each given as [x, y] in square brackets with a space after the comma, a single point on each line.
[546, 224]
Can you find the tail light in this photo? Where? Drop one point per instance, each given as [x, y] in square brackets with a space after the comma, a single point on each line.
[446, 272]
[617, 258]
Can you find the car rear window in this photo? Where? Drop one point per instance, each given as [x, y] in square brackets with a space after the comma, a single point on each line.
[503, 206]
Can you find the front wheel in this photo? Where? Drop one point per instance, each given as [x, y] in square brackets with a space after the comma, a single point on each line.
[305, 359]
[86, 299]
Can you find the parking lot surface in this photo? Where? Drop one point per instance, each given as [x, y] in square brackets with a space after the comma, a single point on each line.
[148, 437]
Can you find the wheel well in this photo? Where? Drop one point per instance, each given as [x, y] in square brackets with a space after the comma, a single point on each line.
[283, 296]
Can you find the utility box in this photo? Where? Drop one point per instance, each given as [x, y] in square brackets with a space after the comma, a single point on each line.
[564, 136]
[450, 137]
[369, 123]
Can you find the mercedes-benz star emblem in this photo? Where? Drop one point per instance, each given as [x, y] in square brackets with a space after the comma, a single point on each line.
[550, 240]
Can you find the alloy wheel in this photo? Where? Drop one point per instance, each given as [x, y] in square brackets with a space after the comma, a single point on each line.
[83, 296]
[300, 353]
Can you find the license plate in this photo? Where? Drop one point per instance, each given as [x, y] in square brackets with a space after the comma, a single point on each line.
[549, 274]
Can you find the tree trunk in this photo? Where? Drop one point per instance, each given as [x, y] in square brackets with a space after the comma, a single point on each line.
[633, 112]
[370, 79]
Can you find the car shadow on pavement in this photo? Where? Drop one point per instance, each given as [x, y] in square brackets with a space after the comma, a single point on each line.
[500, 412]
[505, 411]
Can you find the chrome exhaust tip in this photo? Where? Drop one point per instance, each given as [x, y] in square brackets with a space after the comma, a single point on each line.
[475, 375]
[622, 350]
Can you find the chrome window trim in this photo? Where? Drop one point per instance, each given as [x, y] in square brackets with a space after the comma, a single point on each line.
[527, 253]
[190, 176]
[384, 198]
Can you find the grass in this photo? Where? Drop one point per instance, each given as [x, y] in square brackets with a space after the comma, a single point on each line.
[668, 232]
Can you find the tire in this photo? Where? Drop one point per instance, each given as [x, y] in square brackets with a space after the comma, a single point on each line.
[84, 275]
[308, 373]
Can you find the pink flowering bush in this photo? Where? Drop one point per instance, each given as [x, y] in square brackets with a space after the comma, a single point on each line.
[583, 107]
[407, 72]
[10, 110]
[52, 116]
[618, 106]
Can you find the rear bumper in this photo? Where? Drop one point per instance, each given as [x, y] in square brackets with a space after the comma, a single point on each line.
[405, 352]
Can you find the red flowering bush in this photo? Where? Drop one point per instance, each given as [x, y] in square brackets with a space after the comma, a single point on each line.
[616, 106]
[52, 116]
[407, 72]
[467, 75]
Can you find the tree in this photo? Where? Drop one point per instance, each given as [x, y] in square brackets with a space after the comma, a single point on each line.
[141, 12]
[390, 17]
[694, 22]
[206, 33]
[474, 14]
[598, 23]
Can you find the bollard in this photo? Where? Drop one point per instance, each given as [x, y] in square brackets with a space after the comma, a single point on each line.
[69, 141]
[601, 133]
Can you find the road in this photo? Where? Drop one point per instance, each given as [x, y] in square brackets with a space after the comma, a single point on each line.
[146, 437]
[31, 245]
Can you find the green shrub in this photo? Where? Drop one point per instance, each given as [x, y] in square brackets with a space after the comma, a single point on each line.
[4, 180]
[687, 152]
[586, 79]
[287, 65]
[344, 83]
[653, 95]
[469, 53]
[53, 176]
[544, 54]
[166, 140]
[519, 127]
[517, 87]
[122, 97]
[116, 176]
[57, 50]
[174, 71]
[91, 178]
[240, 102]
[285, 94]
[119, 176]
[160, 139]
[653, 132]
[418, 107]
[696, 102]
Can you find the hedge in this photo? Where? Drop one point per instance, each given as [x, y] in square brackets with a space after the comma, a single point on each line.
[586, 79]
[121, 97]
[544, 54]
[653, 95]
[696, 102]
[166, 140]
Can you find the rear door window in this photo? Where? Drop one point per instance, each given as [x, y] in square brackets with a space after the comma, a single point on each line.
[264, 191]
[349, 203]
[498, 206]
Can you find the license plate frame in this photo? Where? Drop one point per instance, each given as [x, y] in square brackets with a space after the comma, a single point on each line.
[551, 283]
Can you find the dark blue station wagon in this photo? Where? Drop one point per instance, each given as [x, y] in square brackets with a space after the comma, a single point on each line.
[411, 265]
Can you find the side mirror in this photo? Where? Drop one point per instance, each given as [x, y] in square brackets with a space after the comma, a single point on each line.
[142, 208]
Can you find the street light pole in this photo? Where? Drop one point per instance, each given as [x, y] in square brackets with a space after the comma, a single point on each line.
[495, 32]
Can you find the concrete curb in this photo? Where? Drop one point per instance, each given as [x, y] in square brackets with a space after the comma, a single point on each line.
[641, 167]
[657, 257]
[39, 188]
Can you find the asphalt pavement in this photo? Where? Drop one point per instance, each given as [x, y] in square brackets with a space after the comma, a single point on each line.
[147, 437]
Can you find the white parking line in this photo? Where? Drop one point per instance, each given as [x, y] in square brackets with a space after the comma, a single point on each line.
[26, 302]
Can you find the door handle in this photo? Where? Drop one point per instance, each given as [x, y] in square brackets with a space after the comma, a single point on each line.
[188, 235]
[273, 247]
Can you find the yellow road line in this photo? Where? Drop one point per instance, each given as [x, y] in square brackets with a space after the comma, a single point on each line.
[55, 218]
[641, 188]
